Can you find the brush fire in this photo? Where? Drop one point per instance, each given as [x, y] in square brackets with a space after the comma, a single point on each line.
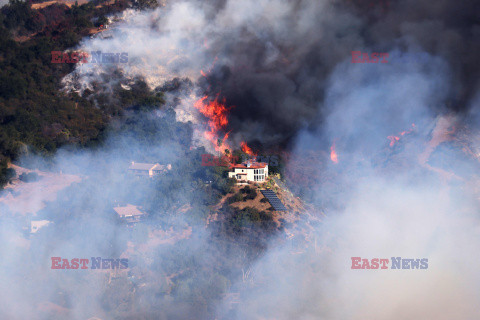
[394, 139]
[333, 154]
[216, 112]
[238, 165]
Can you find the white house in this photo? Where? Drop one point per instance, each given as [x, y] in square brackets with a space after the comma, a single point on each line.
[129, 213]
[36, 225]
[148, 169]
[250, 171]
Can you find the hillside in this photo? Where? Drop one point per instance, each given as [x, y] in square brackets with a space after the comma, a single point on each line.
[35, 116]
[244, 198]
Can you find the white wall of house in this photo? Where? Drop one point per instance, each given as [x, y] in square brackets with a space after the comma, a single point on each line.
[148, 169]
[250, 174]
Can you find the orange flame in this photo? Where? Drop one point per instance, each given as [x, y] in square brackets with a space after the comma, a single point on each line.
[247, 149]
[394, 139]
[216, 112]
[333, 154]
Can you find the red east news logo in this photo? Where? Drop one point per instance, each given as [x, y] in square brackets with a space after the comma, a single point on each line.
[397, 263]
[97, 263]
[366, 58]
[83, 57]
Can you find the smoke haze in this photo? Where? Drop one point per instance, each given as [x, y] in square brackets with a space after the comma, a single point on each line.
[285, 69]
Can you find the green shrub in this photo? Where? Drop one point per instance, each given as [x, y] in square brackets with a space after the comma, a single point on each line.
[235, 198]
[252, 194]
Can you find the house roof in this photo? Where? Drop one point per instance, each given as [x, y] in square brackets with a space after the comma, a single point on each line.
[158, 167]
[149, 166]
[142, 166]
[128, 210]
[254, 165]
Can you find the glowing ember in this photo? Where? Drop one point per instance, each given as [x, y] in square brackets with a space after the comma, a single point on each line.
[394, 139]
[216, 112]
[333, 154]
[409, 131]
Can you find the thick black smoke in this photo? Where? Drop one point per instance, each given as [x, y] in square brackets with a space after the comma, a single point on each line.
[274, 72]
[286, 67]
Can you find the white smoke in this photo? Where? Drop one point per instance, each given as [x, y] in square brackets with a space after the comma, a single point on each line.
[392, 202]
[406, 200]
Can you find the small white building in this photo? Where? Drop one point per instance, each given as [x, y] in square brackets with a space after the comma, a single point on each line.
[250, 172]
[148, 169]
[36, 225]
[129, 213]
